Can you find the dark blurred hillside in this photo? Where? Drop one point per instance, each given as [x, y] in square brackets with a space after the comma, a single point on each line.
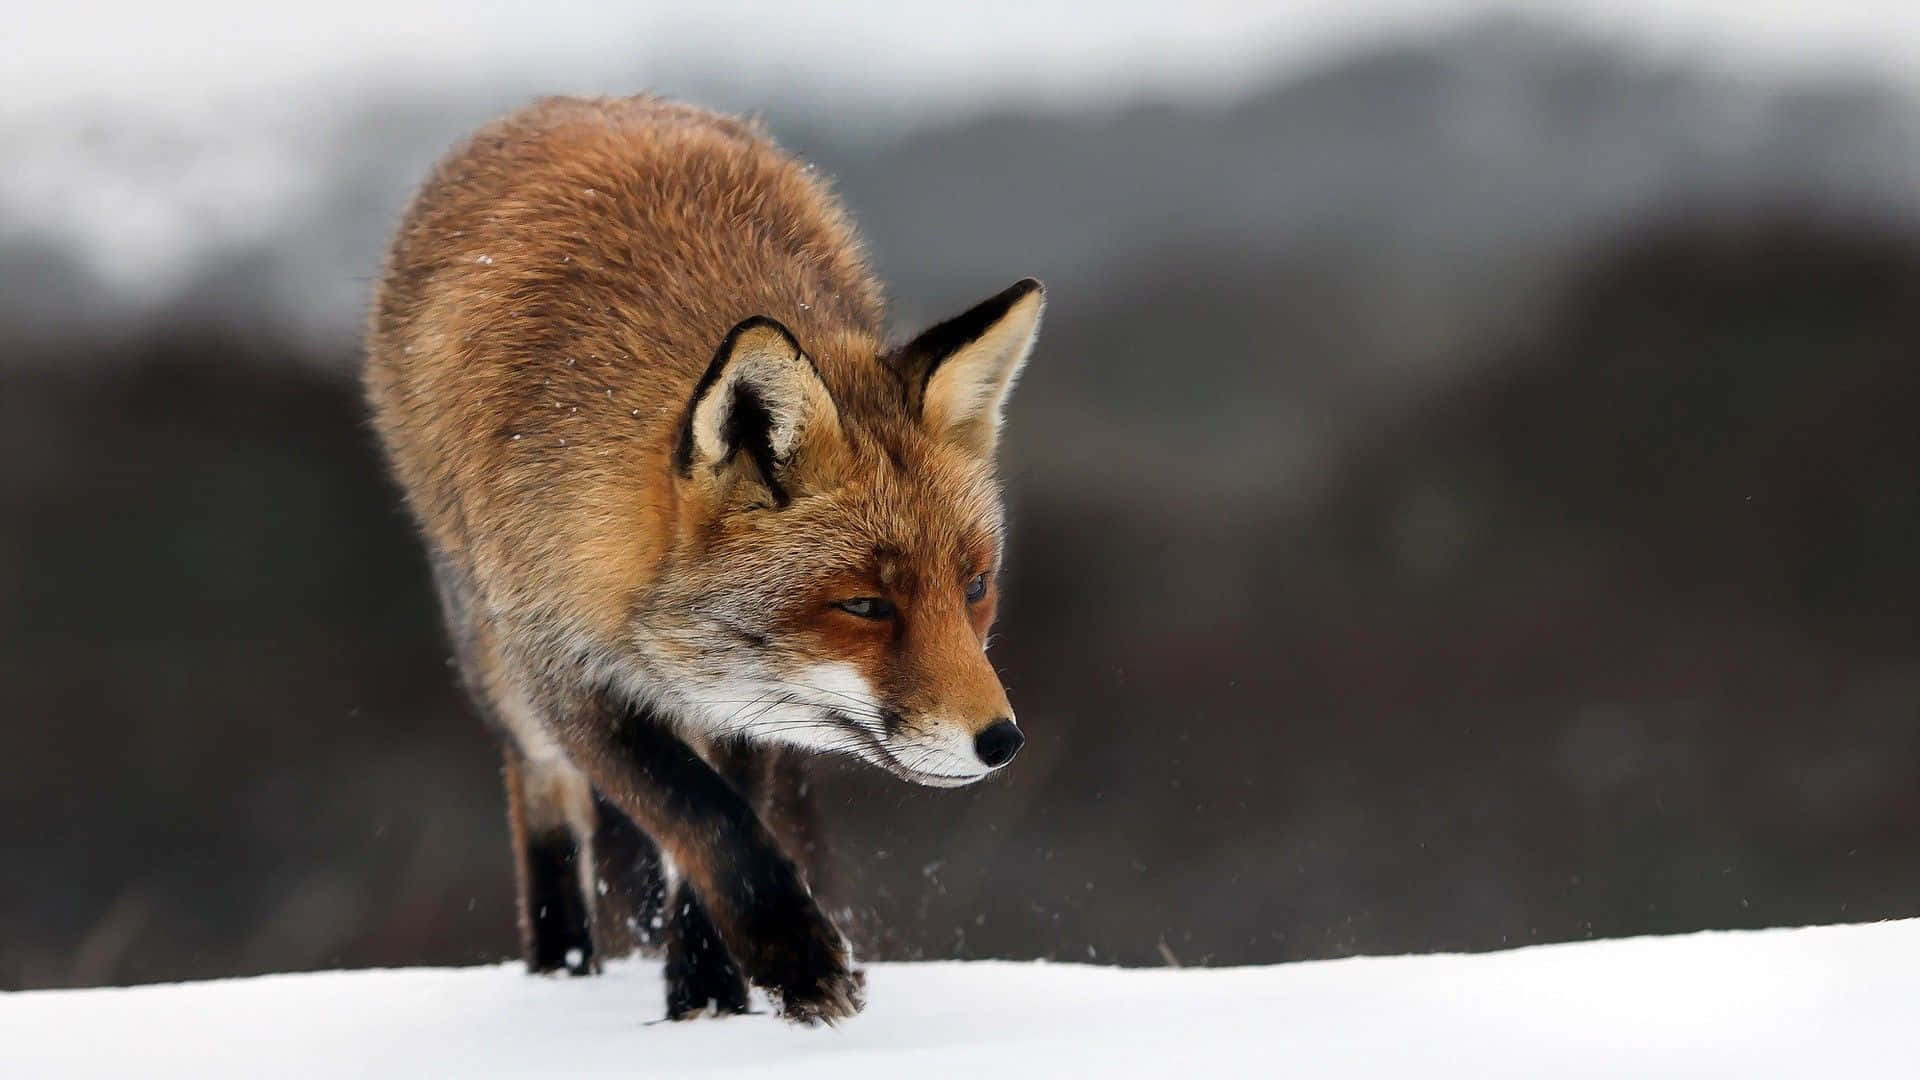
[1724, 415]
[231, 745]
[1608, 637]
[1612, 636]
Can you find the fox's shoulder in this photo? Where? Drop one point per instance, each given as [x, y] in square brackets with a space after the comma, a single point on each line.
[656, 194]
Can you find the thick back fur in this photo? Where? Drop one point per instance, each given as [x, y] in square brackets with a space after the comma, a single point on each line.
[535, 341]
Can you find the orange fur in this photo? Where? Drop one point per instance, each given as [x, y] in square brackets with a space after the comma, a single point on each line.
[624, 518]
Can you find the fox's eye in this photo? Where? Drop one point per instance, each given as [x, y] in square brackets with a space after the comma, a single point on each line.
[976, 589]
[867, 607]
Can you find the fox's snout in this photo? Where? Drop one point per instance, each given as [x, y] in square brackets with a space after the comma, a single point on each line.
[956, 753]
[967, 725]
[950, 754]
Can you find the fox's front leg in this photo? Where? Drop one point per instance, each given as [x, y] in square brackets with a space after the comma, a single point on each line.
[701, 974]
[752, 892]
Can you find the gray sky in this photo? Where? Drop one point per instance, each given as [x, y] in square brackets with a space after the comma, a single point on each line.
[147, 135]
[951, 54]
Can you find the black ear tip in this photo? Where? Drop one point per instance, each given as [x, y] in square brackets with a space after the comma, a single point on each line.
[757, 322]
[1027, 286]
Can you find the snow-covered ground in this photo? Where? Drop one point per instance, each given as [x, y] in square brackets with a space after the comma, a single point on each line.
[1820, 1002]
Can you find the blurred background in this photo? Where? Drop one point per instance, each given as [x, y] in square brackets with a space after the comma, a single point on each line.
[1468, 492]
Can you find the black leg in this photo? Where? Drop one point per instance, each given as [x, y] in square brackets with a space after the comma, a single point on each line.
[634, 884]
[555, 921]
[701, 975]
[700, 972]
[752, 893]
[556, 909]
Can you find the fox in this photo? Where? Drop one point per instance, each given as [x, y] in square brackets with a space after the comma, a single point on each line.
[693, 519]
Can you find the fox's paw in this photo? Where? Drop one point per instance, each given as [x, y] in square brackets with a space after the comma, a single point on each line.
[702, 983]
[706, 991]
[701, 975]
[829, 999]
[556, 953]
[809, 972]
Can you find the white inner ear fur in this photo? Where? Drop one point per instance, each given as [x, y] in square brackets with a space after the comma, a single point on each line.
[968, 391]
[764, 360]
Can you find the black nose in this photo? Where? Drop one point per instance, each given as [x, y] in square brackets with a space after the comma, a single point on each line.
[998, 742]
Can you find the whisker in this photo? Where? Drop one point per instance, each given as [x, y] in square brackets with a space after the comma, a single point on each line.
[865, 712]
[861, 702]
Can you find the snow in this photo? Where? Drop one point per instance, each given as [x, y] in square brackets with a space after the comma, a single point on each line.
[1818, 1002]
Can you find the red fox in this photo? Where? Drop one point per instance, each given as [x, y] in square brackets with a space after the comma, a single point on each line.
[688, 511]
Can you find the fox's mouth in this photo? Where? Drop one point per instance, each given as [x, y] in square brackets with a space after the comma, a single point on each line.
[875, 751]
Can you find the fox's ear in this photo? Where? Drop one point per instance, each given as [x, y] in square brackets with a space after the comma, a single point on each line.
[963, 369]
[760, 403]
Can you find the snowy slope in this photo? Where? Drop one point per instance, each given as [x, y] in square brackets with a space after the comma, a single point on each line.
[1821, 1002]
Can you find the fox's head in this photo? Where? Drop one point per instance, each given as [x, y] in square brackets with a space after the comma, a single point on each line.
[835, 559]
